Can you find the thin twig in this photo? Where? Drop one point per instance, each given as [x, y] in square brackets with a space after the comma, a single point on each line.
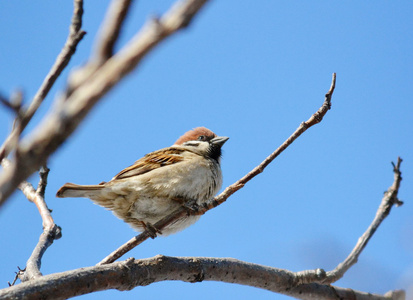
[180, 212]
[18, 274]
[76, 34]
[110, 30]
[14, 104]
[107, 37]
[140, 238]
[48, 236]
[62, 60]
[314, 119]
[389, 199]
[41, 187]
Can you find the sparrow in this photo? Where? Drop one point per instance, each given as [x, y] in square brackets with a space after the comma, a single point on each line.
[187, 173]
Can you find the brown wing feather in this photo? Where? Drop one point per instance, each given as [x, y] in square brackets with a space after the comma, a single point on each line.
[152, 161]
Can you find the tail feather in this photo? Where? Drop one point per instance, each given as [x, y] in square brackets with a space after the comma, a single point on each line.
[76, 190]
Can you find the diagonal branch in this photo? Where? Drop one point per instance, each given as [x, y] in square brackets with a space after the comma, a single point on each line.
[221, 198]
[389, 199]
[313, 120]
[14, 104]
[110, 30]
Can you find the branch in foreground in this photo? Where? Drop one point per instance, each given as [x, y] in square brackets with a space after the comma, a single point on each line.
[76, 103]
[221, 198]
[110, 30]
[62, 60]
[128, 274]
[14, 104]
[50, 232]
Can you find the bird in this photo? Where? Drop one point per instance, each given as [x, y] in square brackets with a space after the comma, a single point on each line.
[188, 174]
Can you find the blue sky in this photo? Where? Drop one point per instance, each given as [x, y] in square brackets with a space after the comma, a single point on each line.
[252, 71]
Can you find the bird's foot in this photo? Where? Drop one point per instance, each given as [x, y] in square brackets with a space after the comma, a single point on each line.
[191, 206]
[152, 230]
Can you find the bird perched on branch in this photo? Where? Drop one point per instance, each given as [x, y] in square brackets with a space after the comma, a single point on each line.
[187, 173]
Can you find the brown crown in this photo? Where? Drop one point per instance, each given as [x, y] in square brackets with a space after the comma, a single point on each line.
[193, 135]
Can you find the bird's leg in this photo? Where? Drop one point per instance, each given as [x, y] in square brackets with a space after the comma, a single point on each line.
[152, 230]
[190, 205]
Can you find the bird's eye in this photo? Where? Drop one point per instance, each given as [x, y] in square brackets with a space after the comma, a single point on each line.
[202, 138]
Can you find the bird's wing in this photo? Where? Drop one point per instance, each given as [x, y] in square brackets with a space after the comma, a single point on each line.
[152, 161]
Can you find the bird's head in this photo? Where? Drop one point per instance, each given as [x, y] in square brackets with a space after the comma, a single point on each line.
[204, 141]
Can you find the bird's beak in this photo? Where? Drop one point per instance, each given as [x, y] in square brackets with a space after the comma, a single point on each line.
[219, 140]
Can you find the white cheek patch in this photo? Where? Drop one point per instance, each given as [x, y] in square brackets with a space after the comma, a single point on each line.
[191, 143]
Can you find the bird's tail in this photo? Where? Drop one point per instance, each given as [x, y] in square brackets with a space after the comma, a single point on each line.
[75, 190]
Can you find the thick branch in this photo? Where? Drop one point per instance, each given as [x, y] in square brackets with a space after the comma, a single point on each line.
[128, 274]
[180, 212]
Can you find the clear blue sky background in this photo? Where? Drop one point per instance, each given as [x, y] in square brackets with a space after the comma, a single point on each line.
[253, 71]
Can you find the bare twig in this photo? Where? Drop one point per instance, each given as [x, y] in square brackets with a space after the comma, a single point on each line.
[104, 46]
[314, 119]
[41, 187]
[180, 212]
[18, 274]
[48, 236]
[110, 30]
[62, 60]
[50, 232]
[140, 238]
[128, 274]
[14, 104]
[389, 199]
[76, 34]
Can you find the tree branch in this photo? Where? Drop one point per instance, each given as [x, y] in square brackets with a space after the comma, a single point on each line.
[50, 232]
[14, 104]
[389, 199]
[221, 198]
[128, 274]
[110, 30]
